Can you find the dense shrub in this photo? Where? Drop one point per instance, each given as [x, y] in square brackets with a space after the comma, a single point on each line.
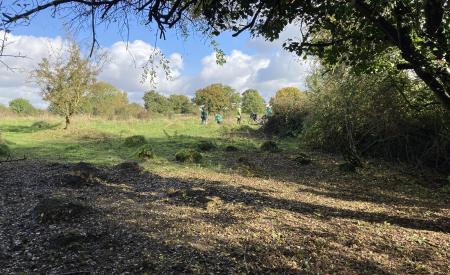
[134, 141]
[22, 106]
[187, 155]
[289, 112]
[379, 115]
[156, 103]
[180, 104]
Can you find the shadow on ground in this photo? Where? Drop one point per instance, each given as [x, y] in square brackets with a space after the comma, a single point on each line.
[141, 222]
[35, 127]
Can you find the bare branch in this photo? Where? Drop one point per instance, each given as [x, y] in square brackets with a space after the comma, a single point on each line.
[251, 24]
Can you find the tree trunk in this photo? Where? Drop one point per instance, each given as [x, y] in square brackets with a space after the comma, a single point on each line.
[438, 89]
[67, 122]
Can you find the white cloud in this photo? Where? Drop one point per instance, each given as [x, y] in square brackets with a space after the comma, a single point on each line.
[267, 71]
[125, 67]
[15, 81]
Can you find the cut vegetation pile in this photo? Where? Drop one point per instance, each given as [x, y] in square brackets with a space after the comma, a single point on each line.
[56, 210]
[145, 152]
[202, 210]
[136, 222]
[188, 155]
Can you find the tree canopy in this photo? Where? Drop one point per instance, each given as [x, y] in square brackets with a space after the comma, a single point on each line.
[21, 106]
[156, 103]
[181, 104]
[217, 98]
[288, 99]
[175, 104]
[103, 99]
[252, 102]
[403, 34]
[65, 82]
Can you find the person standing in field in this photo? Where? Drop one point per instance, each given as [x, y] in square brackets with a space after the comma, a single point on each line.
[218, 118]
[239, 115]
[204, 115]
[254, 116]
[268, 111]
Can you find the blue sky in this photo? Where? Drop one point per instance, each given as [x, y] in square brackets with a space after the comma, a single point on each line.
[251, 62]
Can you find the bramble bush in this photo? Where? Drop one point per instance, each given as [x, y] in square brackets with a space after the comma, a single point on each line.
[382, 115]
[289, 112]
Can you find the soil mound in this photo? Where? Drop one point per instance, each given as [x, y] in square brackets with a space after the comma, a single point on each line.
[56, 210]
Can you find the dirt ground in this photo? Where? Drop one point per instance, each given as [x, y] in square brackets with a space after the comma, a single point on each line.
[311, 219]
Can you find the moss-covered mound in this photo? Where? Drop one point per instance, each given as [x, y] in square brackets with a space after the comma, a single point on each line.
[145, 152]
[134, 141]
[85, 170]
[55, 210]
[270, 146]
[205, 146]
[129, 166]
[5, 152]
[303, 159]
[187, 155]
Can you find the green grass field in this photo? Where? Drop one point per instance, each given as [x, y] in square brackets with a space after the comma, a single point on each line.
[102, 142]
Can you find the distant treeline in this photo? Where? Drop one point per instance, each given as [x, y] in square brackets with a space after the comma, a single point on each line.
[104, 100]
[217, 98]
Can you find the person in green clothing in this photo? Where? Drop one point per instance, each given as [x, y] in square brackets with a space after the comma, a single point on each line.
[204, 115]
[239, 115]
[218, 118]
[268, 111]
